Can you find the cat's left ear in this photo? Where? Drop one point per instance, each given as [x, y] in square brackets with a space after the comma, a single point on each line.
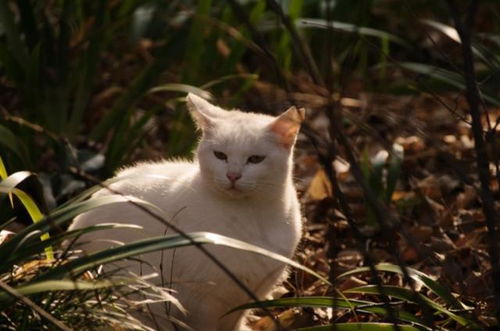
[287, 125]
[202, 111]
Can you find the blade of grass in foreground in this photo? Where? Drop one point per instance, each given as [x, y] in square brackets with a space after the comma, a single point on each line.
[29, 250]
[58, 218]
[446, 76]
[3, 176]
[8, 186]
[327, 302]
[419, 277]
[84, 263]
[62, 285]
[409, 296]
[369, 326]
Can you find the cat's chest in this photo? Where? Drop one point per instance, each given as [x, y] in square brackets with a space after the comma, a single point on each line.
[269, 227]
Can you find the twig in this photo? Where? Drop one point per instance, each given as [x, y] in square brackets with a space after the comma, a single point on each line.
[464, 30]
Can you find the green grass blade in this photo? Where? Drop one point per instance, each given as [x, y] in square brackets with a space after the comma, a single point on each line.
[60, 285]
[4, 175]
[196, 42]
[88, 192]
[88, 67]
[184, 88]
[419, 277]
[8, 186]
[3, 171]
[224, 79]
[322, 302]
[368, 326]
[84, 263]
[446, 76]
[29, 250]
[450, 78]
[60, 217]
[409, 296]
[284, 44]
[350, 28]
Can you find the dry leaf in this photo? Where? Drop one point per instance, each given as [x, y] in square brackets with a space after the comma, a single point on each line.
[467, 197]
[320, 187]
[5, 236]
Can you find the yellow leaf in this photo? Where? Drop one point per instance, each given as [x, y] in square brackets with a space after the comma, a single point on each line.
[320, 186]
[34, 212]
[3, 175]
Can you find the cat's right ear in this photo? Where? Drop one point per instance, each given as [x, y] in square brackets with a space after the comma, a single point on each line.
[287, 126]
[202, 111]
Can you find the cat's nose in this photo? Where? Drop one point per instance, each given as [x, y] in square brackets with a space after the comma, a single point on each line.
[233, 176]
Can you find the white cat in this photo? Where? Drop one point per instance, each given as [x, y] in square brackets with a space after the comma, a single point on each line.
[239, 185]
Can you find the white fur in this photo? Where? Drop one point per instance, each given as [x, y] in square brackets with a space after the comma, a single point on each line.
[261, 209]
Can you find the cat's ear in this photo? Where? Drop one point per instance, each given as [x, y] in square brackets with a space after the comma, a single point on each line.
[202, 111]
[287, 125]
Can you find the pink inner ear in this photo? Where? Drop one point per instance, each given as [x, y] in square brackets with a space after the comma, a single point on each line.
[286, 130]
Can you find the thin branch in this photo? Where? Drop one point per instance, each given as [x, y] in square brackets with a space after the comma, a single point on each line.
[482, 159]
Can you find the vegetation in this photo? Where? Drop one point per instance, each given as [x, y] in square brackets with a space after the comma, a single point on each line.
[397, 164]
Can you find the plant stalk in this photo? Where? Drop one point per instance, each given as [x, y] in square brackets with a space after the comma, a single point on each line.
[464, 30]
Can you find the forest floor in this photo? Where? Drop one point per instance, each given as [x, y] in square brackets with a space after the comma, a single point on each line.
[442, 231]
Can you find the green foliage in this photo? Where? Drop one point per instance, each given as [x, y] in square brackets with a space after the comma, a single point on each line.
[374, 326]
[353, 305]
[8, 185]
[451, 308]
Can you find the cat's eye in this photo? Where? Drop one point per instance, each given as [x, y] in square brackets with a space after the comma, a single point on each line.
[256, 159]
[220, 155]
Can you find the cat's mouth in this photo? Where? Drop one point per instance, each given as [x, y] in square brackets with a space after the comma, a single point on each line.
[234, 192]
[234, 189]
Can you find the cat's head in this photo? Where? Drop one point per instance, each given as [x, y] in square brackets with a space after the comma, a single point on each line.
[244, 154]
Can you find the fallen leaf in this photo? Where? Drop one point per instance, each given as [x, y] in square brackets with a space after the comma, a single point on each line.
[5, 236]
[320, 187]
